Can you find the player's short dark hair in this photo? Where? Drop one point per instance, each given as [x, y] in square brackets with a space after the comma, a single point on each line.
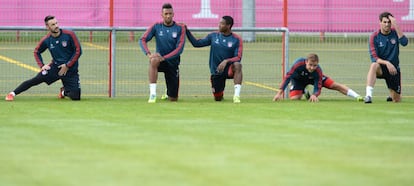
[167, 6]
[229, 20]
[385, 14]
[49, 17]
[312, 57]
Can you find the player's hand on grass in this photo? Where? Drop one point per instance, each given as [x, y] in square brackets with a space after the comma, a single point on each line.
[278, 96]
[313, 98]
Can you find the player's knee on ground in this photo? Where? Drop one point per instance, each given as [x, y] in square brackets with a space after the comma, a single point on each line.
[218, 96]
[74, 94]
[295, 97]
[396, 98]
[295, 94]
[172, 98]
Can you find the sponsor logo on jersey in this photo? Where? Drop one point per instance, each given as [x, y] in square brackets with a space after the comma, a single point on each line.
[230, 44]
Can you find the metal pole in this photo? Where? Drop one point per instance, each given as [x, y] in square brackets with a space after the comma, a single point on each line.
[113, 63]
[112, 36]
[249, 19]
[285, 62]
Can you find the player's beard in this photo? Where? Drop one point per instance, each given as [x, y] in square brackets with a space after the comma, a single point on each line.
[224, 30]
[55, 31]
[168, 22]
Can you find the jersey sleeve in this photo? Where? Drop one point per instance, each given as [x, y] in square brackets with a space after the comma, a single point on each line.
[403, 41]
[293, 70]
[317, 86]
[289, 75]
[239, 50]
[285, 81]
[147, 36]
[206, 41]
[40, 48]
[77, 49]
[371, 47]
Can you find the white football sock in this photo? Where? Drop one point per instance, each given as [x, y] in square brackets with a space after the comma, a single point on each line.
[153, 88]
[369, 91]
[352, 93]
[237, 89]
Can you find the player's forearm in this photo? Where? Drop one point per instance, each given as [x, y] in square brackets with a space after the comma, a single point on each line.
[191, 38]
[283, 86]
[382, 61]
[280, 92]
[398, 30]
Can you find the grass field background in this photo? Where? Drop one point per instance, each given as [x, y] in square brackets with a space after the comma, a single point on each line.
[345, 59]
[126, 141]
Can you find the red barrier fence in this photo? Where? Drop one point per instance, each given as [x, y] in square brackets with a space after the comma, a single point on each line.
[303, 15]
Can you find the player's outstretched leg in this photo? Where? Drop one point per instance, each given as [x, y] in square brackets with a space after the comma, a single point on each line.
[10, 96]
[61, 94]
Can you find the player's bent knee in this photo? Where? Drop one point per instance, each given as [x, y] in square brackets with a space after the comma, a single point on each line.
[155, 62]
[375, 66]
[237, 66]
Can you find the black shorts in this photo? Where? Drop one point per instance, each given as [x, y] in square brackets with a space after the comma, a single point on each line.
[70, 81]
[393, 81]
[172, 77]
[301, 85]
[218, 80]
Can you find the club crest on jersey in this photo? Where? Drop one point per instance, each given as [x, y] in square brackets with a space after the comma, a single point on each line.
[230, 44]
[64, 43]
[174, 34]
[393, 41]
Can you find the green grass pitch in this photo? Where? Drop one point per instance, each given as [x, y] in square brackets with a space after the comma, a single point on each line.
[198, 142]
[125, 141]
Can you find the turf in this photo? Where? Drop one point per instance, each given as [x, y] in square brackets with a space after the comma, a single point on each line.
[126, 141]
